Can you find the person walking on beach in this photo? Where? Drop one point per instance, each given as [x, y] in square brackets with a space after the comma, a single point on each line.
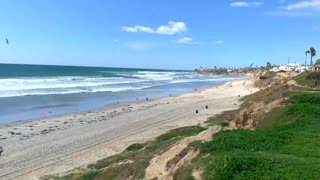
[1, 150]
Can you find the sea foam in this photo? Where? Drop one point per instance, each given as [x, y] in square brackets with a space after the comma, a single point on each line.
[123, 81]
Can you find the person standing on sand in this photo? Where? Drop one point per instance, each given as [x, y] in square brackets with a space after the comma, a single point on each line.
[1, 150]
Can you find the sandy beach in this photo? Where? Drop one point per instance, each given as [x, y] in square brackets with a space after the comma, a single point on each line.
[58, 144]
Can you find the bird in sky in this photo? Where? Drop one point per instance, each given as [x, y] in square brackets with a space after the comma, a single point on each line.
[7, 41]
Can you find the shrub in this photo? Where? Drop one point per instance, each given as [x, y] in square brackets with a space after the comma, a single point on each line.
[310, 98]
[224, 123]
[134, 147]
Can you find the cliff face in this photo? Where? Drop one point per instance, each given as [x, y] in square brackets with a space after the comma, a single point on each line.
[271, 96]
[249, 116]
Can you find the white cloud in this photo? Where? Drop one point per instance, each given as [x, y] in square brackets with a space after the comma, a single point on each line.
[184, 40]
[219, 42]
[169, 29]
[300, 8]
[172, 28]
[245, 4]
[137, 29]
[239, 4]
[303, 5]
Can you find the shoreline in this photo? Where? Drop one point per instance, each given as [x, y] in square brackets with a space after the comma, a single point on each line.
[112, 105]
[65, 142]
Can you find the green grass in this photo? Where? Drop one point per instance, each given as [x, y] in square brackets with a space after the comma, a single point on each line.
[287, 147]
[139, 154]
[84, 176]
[135, 147]
[222, 119]
[195, 144]
[271, 119]
[309, 79]
[214, 121]
[184, 173]
[180, 132]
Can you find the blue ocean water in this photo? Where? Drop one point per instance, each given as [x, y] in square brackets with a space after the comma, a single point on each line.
[35, 91]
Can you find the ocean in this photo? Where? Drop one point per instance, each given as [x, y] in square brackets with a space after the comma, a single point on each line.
[36, 91]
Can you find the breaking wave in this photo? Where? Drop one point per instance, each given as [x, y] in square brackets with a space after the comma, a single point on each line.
[122, 81]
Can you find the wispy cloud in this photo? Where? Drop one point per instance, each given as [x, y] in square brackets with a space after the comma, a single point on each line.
[303, 5]
[137, 29]
[245, 4]
[219, 42]
[300, 8]
[169, 29]
[186, 40]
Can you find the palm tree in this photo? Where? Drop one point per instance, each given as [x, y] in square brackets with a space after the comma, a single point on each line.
[305, 61]
[269, 66]
[313, 52]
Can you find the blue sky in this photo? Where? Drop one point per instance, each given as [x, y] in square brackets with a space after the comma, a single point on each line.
[174, 34]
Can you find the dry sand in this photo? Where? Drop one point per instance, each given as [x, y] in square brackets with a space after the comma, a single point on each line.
[58, 144]
[158, 169]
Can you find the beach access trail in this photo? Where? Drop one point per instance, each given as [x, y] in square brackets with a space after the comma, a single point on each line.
[58, 144]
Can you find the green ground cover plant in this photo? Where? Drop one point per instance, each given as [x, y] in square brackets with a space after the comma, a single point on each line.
[288, 147]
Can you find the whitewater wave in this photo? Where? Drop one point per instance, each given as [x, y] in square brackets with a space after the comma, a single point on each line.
[69, 91]
[156, 75]
[128, 81]
[60, 82]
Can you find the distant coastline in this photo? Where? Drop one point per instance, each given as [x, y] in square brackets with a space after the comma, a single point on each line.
[246, 72]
